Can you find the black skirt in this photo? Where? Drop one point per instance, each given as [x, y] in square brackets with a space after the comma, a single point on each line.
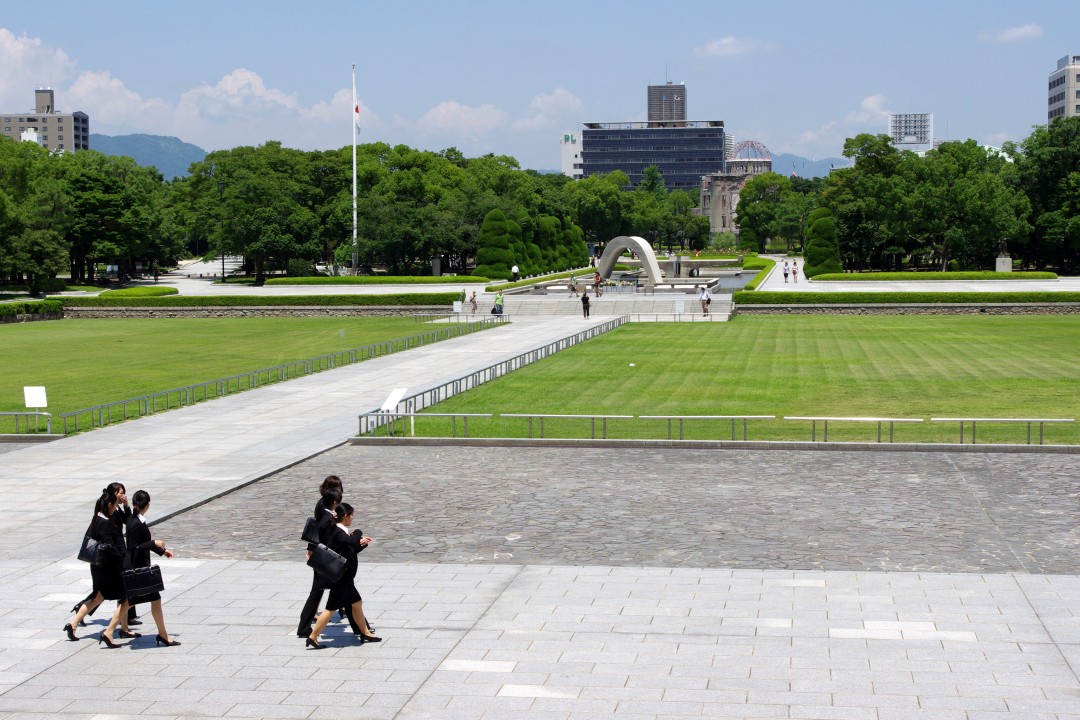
[108, 580]
[342, 595]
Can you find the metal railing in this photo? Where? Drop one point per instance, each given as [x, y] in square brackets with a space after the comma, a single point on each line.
[593, 418]
[827, 420]
[682, 418]
[25, 416]
[389, 421]
[1028, 421]
[372, 419]
[121, 410]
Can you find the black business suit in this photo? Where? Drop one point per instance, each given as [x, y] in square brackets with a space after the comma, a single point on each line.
[109, 576]
[343, 593]
[140, 543]
[118, 518]
[326, 521]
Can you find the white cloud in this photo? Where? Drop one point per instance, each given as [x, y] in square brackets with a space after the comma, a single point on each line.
[548, 109]
[454, 119]
[1030, 31]
[871, 116]
[27, 63]
[729, 46]
[871, 111]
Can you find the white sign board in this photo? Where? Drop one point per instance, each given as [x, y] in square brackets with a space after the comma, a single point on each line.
[34, 395]
[392, 401]
[457, 307]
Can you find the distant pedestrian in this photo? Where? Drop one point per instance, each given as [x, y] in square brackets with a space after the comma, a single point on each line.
[472, 302]
[585, 304]
[514, 271]
[795, 271]
[498, 309]
[787, 270]
[155, 269]
[705, 299]
[596, 284]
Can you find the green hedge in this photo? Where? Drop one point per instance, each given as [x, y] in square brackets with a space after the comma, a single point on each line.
[765, 268]
[30, 308]
[445, 298]
[757, 263]
[584, 273]
[972, 275]
[142, 291]
[378, 280]
[887, 298]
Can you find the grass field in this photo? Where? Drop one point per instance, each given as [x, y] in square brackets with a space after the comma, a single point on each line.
[904, 367]
[88, 362]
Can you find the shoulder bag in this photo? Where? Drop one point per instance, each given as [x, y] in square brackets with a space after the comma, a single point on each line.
[327, 563]
[143, 581]
[311, 531]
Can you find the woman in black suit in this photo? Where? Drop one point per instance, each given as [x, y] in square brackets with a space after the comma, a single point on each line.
[140, 543]
[109, 576]
[330, 496]
[343, 593]
[119, 517]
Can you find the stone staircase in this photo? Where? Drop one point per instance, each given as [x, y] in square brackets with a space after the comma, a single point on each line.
[640, 308]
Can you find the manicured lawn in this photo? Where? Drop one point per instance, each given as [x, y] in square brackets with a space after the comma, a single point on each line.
[902, 367]
[89, 362]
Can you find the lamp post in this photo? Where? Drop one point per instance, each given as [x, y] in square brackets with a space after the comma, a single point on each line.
[221, 196]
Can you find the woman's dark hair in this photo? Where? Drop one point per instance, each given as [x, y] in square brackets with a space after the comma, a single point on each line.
[342, 510]
[140, 500]
[116, 488]
[102, 505]
[329, 499]
[332, 482]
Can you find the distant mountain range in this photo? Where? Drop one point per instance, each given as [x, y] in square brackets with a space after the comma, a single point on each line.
[171, 156]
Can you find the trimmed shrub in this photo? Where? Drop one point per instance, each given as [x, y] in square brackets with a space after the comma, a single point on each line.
[891, 298]
[9, 311]
[493, 255]
[933, 275]
[378, 280]
[752, 285]
[442, 298]
[300, 267]
[141, 291]
[822, 247]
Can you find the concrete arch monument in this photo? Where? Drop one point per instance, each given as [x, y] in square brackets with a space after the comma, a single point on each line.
[640, 246]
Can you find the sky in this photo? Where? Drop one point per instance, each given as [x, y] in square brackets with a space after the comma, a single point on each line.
[510, 77]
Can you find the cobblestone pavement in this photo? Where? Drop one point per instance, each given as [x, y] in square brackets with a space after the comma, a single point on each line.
[960, 512]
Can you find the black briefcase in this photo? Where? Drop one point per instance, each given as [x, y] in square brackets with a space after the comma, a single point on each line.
[143, 581]
[327, 563]
[311, 531]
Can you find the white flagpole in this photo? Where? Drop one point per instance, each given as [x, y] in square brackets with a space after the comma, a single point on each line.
[356, 119]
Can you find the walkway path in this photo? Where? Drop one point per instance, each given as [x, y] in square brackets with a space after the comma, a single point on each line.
[604, 612]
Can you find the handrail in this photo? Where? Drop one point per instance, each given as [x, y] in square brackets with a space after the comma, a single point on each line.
[30, 414]
[542, 416]
[1029, 421]
[827, 420]
[392, 417]
[120, 410]
[437, 393]
[732, 418]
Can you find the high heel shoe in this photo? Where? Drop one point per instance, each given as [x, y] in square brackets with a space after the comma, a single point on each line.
[313, 644]
[158, 640]
[70, 632]
[369, 639]
[103, 638]
[125, 634]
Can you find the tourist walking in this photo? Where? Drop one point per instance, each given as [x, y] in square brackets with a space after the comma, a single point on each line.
[585, 303]
[140, 543]
[343, 592]
[108, 576]
[514, 272]
[787, 270]
[330, 496]
[795, 271]
[596, 284]
[705, 299]
[472, 302]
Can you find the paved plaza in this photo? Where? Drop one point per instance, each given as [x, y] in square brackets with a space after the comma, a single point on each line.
[547, 582]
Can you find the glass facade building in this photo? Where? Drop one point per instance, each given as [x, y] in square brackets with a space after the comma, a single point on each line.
[683, 151]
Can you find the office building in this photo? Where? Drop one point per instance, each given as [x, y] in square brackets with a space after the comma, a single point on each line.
[60, 132]
[667, 103]
[683, 153]
[570, 146]
[1064, 89]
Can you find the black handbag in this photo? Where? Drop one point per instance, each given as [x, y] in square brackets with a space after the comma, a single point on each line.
[327, 563]
[143, 581]
[311, 531]
[92, 551]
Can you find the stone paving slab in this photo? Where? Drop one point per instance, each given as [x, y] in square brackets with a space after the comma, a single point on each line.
[483, 640]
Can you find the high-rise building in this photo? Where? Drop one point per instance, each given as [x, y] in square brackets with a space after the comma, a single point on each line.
[683, 153]
[571, 155]
[62, 132]
[667, 103]
[1064, 89]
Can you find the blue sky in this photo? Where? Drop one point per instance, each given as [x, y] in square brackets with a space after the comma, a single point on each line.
[509, 77]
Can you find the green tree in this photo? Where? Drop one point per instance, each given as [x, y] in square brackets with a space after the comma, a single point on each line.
[822, 249]
[494, 256]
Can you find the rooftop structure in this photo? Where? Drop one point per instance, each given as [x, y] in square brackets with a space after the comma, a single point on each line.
[60, 132]
[1063, 91]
